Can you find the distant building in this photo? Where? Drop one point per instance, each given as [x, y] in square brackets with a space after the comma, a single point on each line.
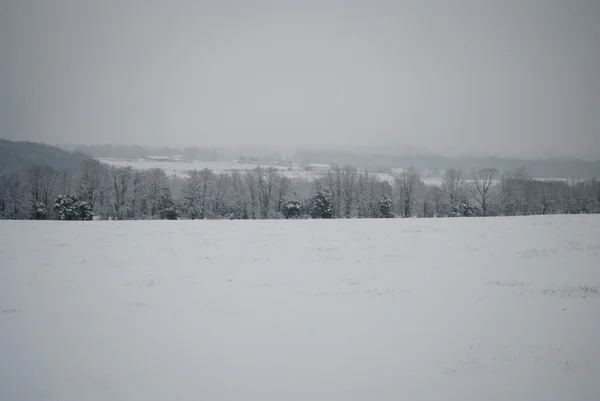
[159, 158]
[179, 158]
[316, 167]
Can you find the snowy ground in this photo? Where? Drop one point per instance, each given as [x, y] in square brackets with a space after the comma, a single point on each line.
[181, 168]
[440, 309]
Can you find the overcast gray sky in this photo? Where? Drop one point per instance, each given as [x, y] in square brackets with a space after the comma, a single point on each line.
[511, 78]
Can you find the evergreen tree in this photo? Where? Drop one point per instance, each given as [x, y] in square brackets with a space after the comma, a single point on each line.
[321, 205]
[39, 212]
[167, 209]
[84, 210]
[386, 207]
[69, 207]
[291, 209]
[464, 209]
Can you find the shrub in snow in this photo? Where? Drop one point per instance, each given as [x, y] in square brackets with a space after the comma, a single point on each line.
[84, 210]
[226, 211]
[69, 207]
[169, 213]
[321, 206]
[464, 209]
[40, 212]
[385, 208]
[64, 206]
[236, 211]
[291, 209]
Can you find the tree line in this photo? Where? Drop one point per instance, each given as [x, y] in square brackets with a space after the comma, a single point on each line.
[96, 190]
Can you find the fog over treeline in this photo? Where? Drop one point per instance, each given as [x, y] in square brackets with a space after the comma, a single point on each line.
[364, 159]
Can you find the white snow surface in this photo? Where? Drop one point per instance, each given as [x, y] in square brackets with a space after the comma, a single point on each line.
[403, 309]
[182, 168]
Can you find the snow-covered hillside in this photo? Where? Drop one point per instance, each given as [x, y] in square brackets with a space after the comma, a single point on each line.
[439, 309]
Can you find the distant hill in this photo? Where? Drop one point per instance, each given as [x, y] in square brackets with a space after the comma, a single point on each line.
[110, 151]
[132, 152]
[25, 154]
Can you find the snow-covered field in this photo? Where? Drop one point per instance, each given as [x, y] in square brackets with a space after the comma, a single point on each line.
[181, 168]
[439, 309]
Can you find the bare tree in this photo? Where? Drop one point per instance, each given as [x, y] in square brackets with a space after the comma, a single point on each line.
[222, 197]
[365, 195]
[510, 192]
[252, 188]
[518, 193]
[481, 189]
[240, 195]
[266, 180]
[90, 181]
[208, 186]
[34, 178]
[41, 185]
[453, 184]
[376, 190]
[65, 182]
[586, 196]
[333, 181]
[12, 195]
[283, 187]
[48, 187]
[121, 180]
[439, 207]
[407, 182]
[3, 194]
[138, 202]
[530, 196]
[155, 190]
[349, 178]
[369, 192]
[105, 204]
[198, 193]
[191, 196]
[219, 187]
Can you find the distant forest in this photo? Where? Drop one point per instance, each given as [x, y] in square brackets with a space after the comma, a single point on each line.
[19, 155]
[544, 168]
[70, 186]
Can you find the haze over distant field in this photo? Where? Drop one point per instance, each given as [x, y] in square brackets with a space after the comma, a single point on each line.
[511, 78]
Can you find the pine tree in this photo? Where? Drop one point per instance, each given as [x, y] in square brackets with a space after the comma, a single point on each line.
[69, 207]
[322, 205]
[291, 209]
[386, 207]
[464, 209]
[167, 209]
[84, 210]
[64, 206]
[40, 212]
